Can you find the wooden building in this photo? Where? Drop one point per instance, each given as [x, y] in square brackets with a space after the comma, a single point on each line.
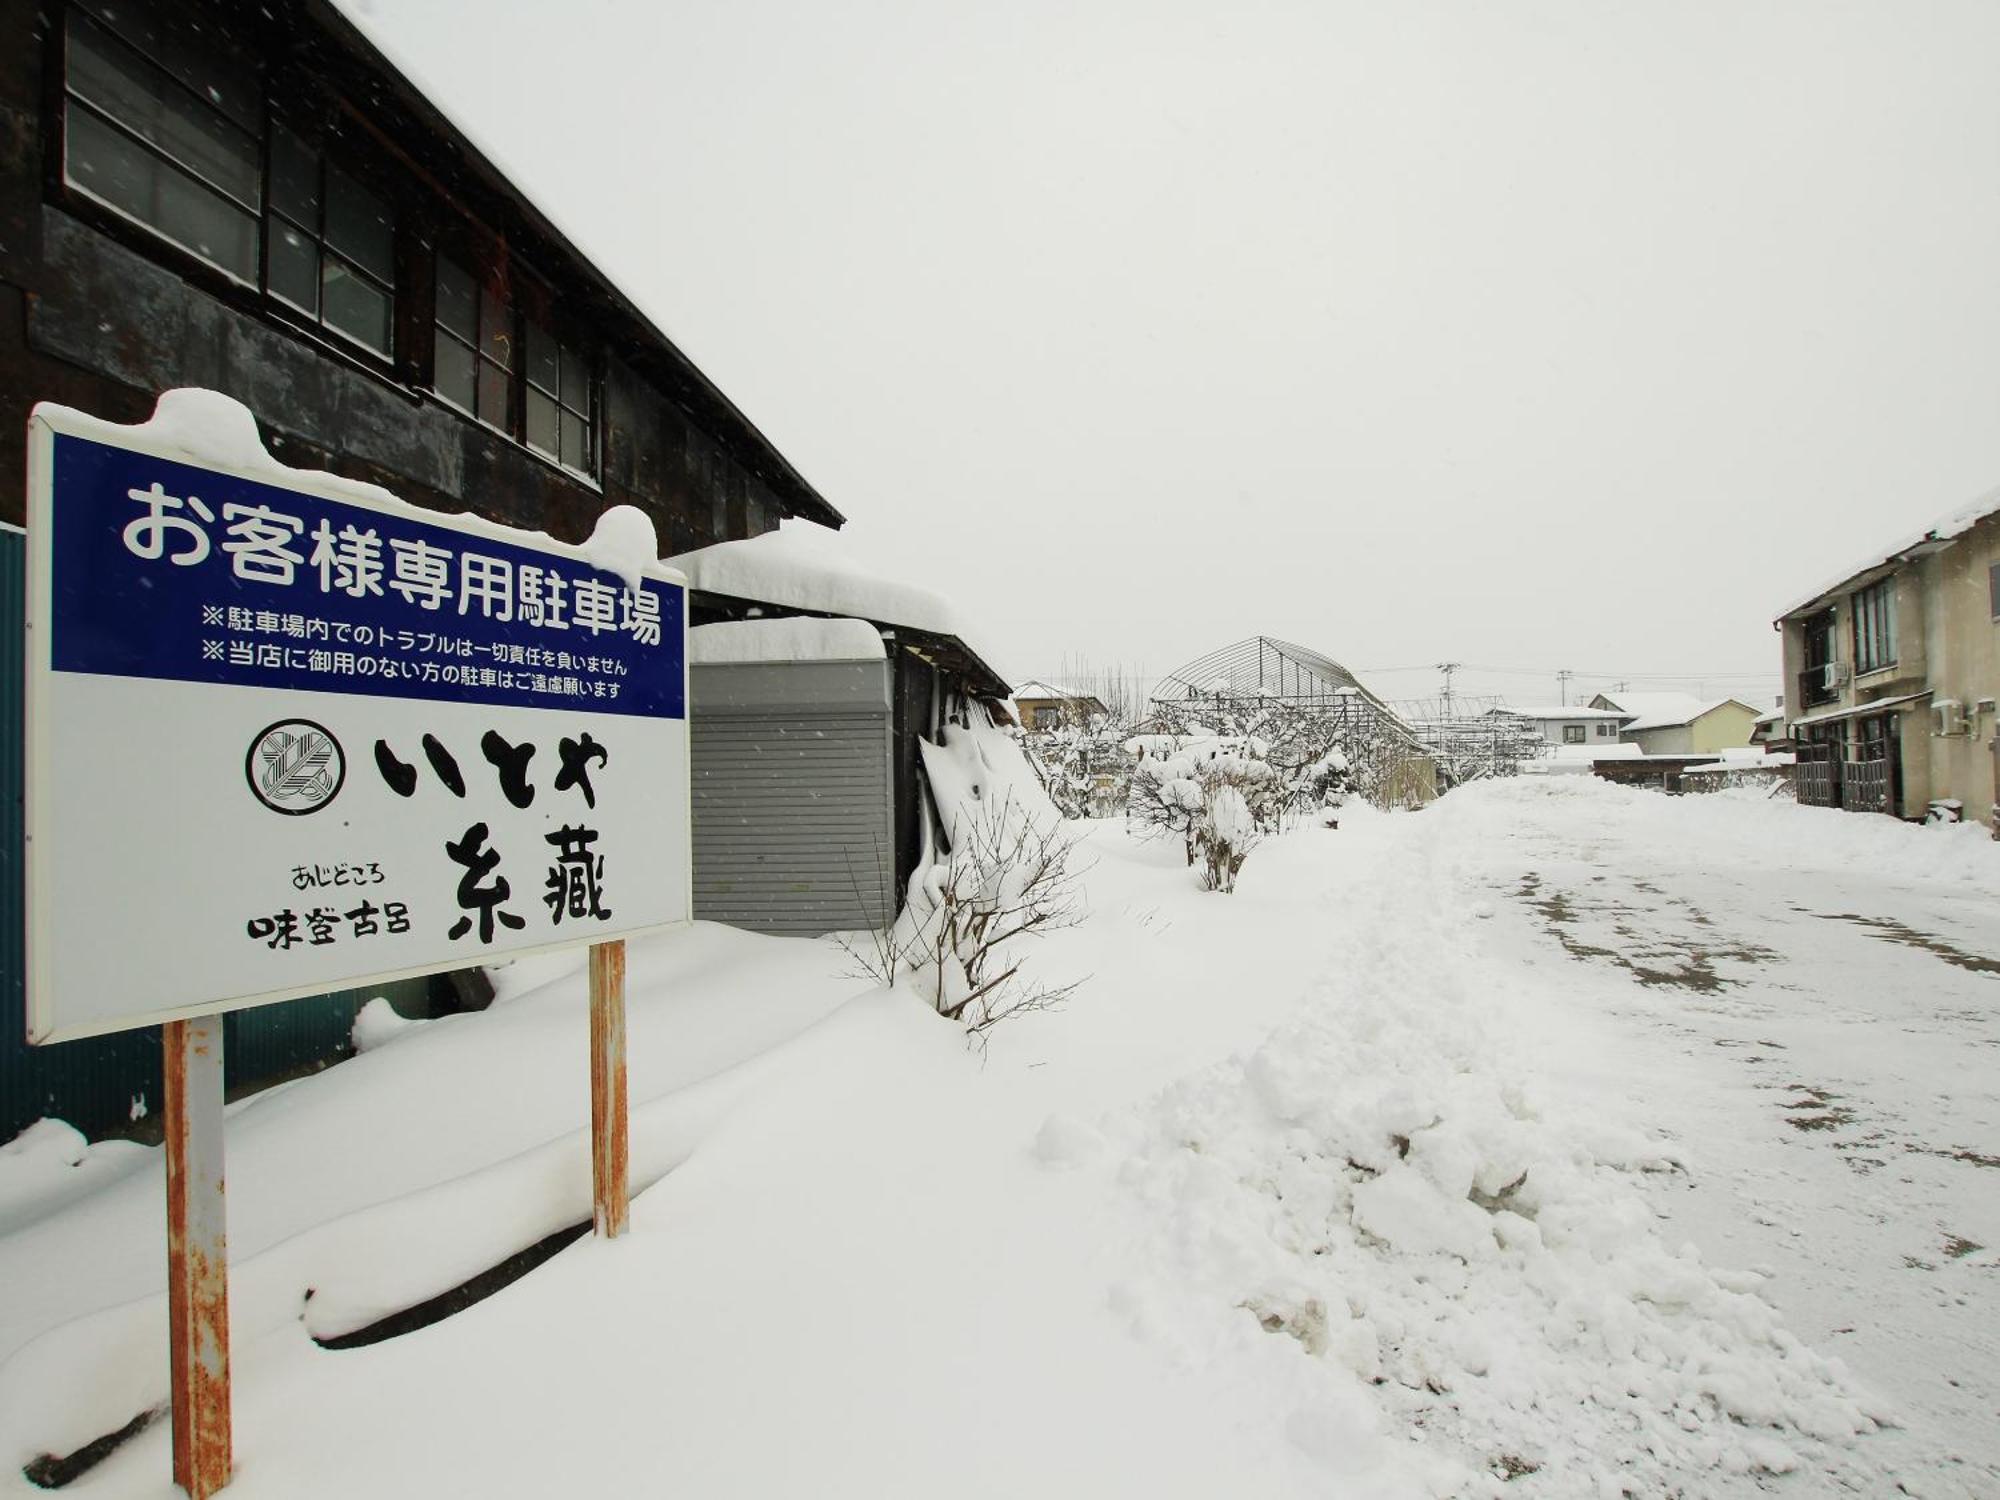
[245, 195]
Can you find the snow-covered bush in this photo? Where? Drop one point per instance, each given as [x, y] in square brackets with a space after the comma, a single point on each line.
[1007, 873]
[1216, 793]
[1223, 836]
[1082, 766]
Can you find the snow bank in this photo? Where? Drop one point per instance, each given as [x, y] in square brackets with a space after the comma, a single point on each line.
[805, 566]
[378, 1023]
[50, 1163]
[803, 638]
[1744, 824]
[1381, 1183]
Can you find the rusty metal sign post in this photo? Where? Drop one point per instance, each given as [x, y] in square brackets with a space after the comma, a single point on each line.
[610, 1150]
[197, 1255]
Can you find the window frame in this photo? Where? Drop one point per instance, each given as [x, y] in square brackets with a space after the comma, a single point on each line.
[1576, 734]
[528, 303]
[1872, 626]
[326, 163]
[366, 166]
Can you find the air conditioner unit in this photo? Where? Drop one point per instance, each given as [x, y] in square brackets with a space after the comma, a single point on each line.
[1947, 716]
[1837, 674]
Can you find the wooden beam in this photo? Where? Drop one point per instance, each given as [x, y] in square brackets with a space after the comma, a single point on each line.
[197, 1255]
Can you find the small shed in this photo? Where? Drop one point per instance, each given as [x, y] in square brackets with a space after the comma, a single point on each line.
[793, 807]
[800, 580]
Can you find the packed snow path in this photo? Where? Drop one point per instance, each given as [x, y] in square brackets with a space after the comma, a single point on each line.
[1808, 1003]
[1557, 1141]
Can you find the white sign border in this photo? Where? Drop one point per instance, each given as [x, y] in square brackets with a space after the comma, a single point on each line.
[46, 422]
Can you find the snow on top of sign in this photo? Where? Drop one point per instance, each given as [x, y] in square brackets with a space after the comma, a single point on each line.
[216, 431]
[624, 545]
[804, 565]
[213, 431]
[802, 638]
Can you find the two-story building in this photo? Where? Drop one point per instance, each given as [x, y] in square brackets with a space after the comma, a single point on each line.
[246, 196]
[1570, 724]
[1892, 671]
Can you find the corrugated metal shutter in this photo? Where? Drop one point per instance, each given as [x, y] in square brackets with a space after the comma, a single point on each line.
[792, 822]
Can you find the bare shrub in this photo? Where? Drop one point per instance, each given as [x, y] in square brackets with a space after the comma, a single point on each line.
[1006, 878]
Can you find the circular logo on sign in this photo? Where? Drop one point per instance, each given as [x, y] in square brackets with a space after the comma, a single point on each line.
[295, 767]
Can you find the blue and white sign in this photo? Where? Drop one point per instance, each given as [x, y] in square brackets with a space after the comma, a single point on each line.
[288, 734]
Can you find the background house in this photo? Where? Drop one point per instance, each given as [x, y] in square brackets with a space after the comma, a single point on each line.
[250, 198]
[1570, 724]
[1044, 705]
[1892, 671]
[1680, 723]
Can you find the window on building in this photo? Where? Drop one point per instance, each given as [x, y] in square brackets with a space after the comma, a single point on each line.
[331, 244]
[1604, 731]
[166, 127]
[1875, 626]
[1572, 734]
[1993, 589]
[512, 373]
[165, 132]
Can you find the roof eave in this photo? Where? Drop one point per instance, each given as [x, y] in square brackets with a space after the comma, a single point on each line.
[790, 486]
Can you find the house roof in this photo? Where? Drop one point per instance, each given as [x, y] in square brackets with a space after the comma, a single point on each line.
[1669, 710]
[1560, 711]
[1035, 689]
[805, 568]
[1940, 533]
[391, 107]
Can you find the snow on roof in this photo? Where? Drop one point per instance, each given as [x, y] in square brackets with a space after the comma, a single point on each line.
[1561, 711]
[796, 638]
[805, 566]
[1036, 689]
[1654, 710]
[1667, 710]
[1945, 529]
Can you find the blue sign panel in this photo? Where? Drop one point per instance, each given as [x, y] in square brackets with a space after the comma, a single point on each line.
[166, 570]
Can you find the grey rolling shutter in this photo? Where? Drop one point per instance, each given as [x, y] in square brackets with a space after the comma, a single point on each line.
[792, 814]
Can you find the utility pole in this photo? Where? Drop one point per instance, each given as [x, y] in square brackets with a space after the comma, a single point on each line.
[1447, 667]
[1562, 685]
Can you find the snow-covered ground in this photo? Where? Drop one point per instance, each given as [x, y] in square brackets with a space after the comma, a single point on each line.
[1559, 1140]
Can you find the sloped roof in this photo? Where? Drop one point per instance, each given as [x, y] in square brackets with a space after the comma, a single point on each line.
[1560, 711]
[1037, 689]
[412, 124]
[1940, 533]
[1669, 710]
[807, 568]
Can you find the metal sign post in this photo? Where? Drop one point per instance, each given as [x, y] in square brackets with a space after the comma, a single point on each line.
[197, 1255]
[609, 1138]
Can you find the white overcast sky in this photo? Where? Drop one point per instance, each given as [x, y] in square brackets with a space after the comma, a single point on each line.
[1527, 335]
